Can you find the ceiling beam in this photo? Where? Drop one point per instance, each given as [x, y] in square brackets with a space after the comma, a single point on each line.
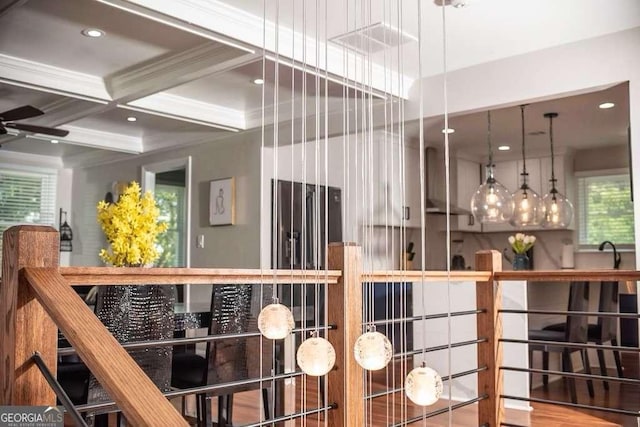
[174, 69]
[47, 78]
[101, 140]
[189, 110]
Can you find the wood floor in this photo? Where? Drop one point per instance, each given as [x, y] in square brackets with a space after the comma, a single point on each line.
[387, 410]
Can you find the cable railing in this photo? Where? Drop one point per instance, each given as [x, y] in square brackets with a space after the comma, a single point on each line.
[578, 342]
[38, 300]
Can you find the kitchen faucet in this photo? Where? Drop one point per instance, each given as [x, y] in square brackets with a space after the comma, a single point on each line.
[616, 256]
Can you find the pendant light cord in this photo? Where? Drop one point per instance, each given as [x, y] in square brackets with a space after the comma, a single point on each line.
[490, 164]
[524, 162]
[553, 173]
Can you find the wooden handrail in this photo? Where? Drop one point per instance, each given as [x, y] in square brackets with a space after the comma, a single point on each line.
[416, 276]
[568, 275]
[193, 276]
[135, 394]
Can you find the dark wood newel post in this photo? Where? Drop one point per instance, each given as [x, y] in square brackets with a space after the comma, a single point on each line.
[489, 326]
[25, 325]
[344, 301]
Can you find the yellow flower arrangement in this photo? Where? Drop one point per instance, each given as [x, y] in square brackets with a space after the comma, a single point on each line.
[131, 227]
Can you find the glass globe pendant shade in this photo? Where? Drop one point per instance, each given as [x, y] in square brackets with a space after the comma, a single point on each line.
[492, 202]
[527, 209]
[316, 356]
[423, 386]
[557, 210]
[275, 321]
[372, 350]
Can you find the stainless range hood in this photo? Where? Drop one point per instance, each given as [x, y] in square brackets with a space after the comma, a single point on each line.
[435, 176]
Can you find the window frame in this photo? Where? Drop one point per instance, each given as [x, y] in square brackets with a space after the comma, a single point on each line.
[621, 247]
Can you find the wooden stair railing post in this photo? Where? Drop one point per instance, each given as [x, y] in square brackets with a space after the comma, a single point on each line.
[489, 326]
[345, 385]
[24, 324]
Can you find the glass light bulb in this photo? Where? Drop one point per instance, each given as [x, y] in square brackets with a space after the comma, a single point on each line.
[316, 356]
[372, 351]
[423, 386]
[275, 321]
[557, 210]
[492, 202]
[528, 207]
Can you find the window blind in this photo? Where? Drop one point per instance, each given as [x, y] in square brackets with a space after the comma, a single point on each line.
[26, 197]
[605, 210]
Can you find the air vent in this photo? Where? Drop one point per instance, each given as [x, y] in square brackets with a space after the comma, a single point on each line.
[373, 38]
[454, 3]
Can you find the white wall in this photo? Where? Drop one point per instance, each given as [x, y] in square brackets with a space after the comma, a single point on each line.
[559, 71]
[439, 297]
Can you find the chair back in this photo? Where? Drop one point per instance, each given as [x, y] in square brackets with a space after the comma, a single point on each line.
[235, 309]
[608, 303]
[138, 313]
[577, 326]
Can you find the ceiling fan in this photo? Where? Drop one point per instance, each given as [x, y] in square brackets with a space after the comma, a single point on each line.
[27, 111]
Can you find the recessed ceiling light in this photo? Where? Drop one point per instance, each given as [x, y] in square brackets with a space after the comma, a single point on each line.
[258, 81]
[132, 119]
[504, 147]
[448, 130]
[92, 32]
[607, 105]
[54, 141]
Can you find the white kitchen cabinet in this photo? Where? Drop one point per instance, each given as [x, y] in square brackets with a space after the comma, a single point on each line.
[396, 192]
[469, 178]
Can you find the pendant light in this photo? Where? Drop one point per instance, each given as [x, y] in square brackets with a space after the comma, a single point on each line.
[492, 202]
[527, 203]
[557, 209]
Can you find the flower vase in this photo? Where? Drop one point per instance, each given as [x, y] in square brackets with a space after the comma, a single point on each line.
[521, 262]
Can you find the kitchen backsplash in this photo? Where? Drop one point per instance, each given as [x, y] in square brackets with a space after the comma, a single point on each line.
[547, 251]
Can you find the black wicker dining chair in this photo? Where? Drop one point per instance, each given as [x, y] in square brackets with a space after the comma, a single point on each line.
[234, 310]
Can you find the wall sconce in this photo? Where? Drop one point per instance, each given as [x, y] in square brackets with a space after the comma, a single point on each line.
[66, 235]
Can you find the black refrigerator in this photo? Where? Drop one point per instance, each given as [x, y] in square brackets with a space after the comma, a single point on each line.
[306, 217]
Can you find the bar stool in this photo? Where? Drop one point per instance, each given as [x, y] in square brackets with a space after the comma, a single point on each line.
[605, 330]
[575, 331]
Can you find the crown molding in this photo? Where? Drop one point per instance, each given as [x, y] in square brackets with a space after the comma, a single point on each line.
[102, 140]
[94, 158]
[22, 72]
[14, 158]
[248, 29]
[190, 110]
[174, 69]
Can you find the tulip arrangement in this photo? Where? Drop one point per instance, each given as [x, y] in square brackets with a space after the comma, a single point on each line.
[521, 243]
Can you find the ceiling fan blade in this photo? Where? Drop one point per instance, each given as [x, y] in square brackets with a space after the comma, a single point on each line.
[3, 131]
[38, 129]
[20, 113]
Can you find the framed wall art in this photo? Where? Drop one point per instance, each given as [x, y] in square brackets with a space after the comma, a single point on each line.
[222, 203]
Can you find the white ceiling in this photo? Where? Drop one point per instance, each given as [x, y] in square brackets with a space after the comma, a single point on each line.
[185, 68]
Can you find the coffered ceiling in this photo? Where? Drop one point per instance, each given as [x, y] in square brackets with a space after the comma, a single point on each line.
[185, 68]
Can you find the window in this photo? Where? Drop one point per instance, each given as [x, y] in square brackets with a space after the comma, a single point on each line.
[605, 210]
[171, 203]
[26, 197]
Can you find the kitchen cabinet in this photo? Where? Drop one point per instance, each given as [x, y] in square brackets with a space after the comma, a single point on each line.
[396, 192]
[469, 178]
